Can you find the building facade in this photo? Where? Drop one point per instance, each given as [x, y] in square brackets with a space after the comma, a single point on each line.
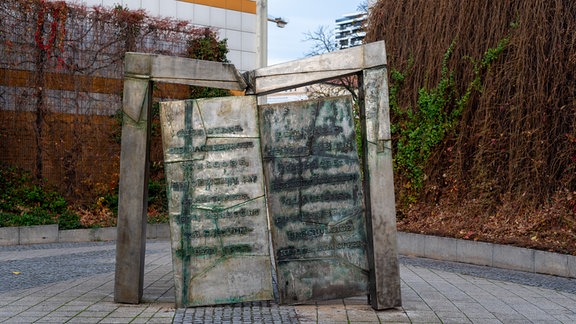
[61, 126]
[350, 30]
[242, 22]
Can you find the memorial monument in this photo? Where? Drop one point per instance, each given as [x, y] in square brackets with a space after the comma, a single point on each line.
[241, 175]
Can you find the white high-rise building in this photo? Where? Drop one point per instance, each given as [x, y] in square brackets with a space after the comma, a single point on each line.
[350, 30]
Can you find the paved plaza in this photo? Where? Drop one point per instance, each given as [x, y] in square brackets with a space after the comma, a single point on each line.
[74, 283]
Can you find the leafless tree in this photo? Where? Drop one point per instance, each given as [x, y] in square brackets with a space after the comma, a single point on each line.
[363, 6]
[323, 41]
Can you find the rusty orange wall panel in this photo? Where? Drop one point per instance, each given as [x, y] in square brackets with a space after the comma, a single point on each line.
[67, 163]
[61, 81]
[246, 6]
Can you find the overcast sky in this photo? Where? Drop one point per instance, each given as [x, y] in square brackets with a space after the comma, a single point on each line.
[287, 44]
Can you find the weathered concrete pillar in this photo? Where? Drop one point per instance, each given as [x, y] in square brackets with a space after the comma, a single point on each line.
[133, 187]
[379, 189]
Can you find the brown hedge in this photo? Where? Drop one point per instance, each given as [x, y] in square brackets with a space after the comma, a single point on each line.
[517, 136]
[507, 172]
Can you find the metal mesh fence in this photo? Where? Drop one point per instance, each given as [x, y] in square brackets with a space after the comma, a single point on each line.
[61, 69]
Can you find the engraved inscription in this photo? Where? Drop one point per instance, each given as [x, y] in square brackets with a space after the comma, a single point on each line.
[202, 165]
[314, 194]
[210, 131]
[218, 232]
[243, 212]
[278, 185]
[211, 148]
[203, 251]
[314, 232]
[289, 252]
[326, 196]
[216, 200]
[221, 198]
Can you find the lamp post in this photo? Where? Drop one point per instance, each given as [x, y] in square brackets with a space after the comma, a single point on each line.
[262, 31]
[280, 22]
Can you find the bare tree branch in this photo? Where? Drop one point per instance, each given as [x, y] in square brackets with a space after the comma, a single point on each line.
[323, 41]
[363, 6]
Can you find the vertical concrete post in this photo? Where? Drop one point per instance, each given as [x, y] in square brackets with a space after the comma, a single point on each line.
[133, 187]
[379, 189]
[262, 33]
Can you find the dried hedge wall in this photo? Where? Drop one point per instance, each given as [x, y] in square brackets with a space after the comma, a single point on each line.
[506, 149]
[61, 69]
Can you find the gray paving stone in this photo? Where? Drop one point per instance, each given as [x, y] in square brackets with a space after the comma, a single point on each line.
[22, 319]
[508, 278]
[510, 317]
[157, 321]
[422, 316]
[140, 320]
[455, 320]
[532, 297]
[481, 320]
[116, 320]
[565, 318]
[53, 319]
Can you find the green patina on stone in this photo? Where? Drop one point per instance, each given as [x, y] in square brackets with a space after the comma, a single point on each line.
[315, 199]
[216, 203]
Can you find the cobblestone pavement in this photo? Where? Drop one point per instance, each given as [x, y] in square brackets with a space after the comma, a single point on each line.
[74, 283]
[254, 312]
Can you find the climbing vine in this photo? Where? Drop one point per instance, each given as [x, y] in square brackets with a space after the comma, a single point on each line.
[55, 15]
[418, 131]
[61, 70]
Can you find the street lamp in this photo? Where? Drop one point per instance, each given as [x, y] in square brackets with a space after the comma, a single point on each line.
[280, 22]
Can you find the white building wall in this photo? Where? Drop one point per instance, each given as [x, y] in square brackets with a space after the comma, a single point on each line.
[240, 28]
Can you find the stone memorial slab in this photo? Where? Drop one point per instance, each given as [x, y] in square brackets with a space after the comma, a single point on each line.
[218, 220]
[315, 199]
[324, 226]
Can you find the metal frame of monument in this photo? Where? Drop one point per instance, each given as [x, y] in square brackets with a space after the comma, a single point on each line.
[368, 62]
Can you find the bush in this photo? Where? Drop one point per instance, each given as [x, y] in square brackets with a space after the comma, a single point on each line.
[25, 203]
[69, 220]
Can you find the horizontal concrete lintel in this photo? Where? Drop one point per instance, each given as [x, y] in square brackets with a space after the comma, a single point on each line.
[276, 83]
[181, 70]
[229, 85]
[278, 77]
[317, 68]
[191, 70]
[355, 58]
